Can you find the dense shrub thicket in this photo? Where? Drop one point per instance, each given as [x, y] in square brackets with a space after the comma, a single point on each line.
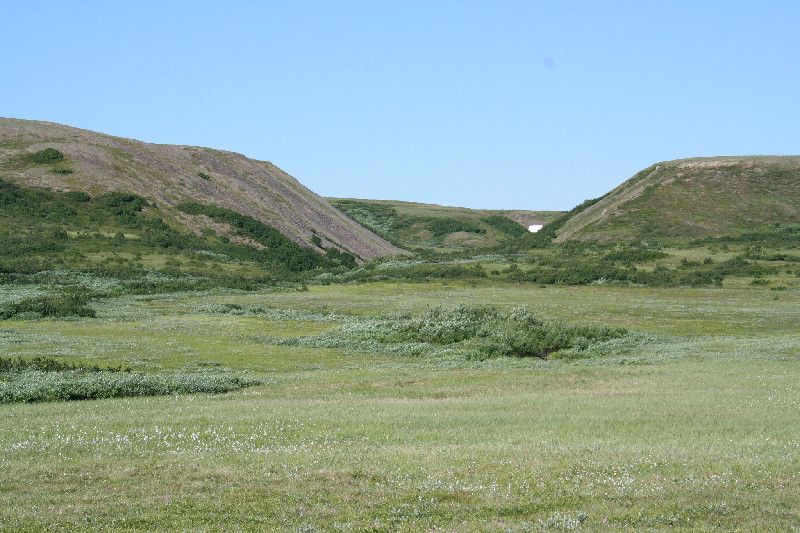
[70, 304]
[441, 226]
[506, 225]
[518, 332]
[576, 263]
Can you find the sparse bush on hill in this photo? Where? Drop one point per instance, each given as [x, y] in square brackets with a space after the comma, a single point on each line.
[62, 170]
[776, 235]
[125, 207]
[77, 196]
[34, 238]
[405, 229]
[48, 155]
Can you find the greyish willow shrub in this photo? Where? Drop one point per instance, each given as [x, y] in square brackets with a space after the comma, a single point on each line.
[63, 385]
[470, 331]
[492, 332]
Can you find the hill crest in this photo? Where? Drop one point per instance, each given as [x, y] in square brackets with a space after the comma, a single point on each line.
[695, 197]
[171, 174]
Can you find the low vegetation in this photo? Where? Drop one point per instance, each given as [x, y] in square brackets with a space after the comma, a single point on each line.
[422, 227]
[643, 383]
[380, 438]
[688, 199]
[506, 225]
[49, 380]
[469, 332]
[68, 304]
[46, 156]
[278, 248]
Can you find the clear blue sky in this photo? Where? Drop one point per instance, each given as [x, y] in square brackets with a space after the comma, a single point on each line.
[491, 104]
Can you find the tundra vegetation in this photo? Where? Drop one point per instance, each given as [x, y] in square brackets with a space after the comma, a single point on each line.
[157, 379]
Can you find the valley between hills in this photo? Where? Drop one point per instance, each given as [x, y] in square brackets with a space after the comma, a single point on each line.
[193, 340]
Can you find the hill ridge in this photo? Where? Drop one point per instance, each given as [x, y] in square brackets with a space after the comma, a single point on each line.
[170, 174]
[694, 197]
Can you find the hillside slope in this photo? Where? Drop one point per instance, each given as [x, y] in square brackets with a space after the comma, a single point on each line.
[170, 174]
[431, 226]
[691, 198]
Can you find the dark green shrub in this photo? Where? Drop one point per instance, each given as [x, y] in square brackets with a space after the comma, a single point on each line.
[506, 225]
[440, 227]
[60, 305]
[77, 196]
[279, 248]
[48, 155]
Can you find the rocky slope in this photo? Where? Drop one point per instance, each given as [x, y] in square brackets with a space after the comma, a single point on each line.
[171, 174]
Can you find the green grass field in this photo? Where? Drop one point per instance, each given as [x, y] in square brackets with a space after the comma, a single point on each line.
[694, 426]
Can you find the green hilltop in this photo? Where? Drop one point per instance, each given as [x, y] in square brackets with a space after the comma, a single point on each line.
[693, 198]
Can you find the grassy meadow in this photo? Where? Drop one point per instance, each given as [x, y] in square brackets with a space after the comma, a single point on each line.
[691, 422]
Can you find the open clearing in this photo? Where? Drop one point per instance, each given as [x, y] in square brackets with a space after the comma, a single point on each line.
[695, 427]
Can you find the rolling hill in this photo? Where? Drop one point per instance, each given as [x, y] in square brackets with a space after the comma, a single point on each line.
[415, 225]
[170, 175]
[693, 198]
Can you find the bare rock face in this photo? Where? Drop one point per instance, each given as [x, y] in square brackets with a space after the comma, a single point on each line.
[170, 174]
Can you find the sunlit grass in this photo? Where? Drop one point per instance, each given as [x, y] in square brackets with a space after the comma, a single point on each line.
[695, 429]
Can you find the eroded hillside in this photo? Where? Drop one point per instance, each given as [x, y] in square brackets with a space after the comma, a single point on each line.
[168, 175]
